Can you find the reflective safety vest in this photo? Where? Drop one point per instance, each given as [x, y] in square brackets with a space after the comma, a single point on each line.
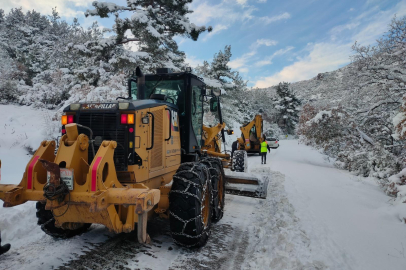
[264, 147]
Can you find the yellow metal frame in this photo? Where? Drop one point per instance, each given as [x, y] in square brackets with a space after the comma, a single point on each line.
[98, 196]
[212, 143]
[244, 142]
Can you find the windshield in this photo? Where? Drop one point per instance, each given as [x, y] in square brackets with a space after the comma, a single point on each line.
[170, 88]
[211, 118]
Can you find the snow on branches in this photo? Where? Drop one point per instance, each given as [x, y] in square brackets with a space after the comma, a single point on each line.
[288, 108]
[152, 26]
[399, 121]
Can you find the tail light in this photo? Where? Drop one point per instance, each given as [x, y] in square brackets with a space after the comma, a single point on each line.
[67, 119]
[124, 119]
[276, 141]
[127, 119]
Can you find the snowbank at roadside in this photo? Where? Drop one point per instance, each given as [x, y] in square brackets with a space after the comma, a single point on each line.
[22, 128]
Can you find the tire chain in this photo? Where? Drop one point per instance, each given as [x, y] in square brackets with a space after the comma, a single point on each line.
[237, 162]
[53, 234]
[185, 222]
[215, 190]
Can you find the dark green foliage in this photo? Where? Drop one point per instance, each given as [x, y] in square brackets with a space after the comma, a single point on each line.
[288, 108]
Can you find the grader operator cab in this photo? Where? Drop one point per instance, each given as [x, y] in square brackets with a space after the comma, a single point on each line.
[122, 162]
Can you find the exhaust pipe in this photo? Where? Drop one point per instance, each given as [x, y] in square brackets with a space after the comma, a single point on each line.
[140, 83]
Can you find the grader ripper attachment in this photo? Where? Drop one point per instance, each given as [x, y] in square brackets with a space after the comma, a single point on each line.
[121, 163]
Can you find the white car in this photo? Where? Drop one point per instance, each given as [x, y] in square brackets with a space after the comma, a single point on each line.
[272, 142]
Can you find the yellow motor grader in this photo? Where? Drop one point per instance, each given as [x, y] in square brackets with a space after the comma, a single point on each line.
[236, 183]
[251, 135]
[123, 162]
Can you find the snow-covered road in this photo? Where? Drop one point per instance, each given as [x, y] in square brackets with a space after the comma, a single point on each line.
[349, 220]
[315, 217]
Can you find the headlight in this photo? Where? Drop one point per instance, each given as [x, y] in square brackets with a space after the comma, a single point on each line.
[123, 105]
[75, 107]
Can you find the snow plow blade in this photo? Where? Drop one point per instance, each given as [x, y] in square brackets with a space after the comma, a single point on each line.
[244, 184]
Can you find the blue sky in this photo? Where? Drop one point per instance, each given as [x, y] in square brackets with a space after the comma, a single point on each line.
[271, 41]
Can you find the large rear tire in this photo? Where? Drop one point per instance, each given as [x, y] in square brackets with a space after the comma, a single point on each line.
[47, 222]
[240, 161]
[218, 186]
[190, 208]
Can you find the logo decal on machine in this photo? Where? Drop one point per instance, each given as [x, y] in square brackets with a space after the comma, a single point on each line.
[174, 120]
[98, 106]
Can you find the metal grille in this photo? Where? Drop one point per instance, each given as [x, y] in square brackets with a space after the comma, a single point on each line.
[107, 126]
[156, 154]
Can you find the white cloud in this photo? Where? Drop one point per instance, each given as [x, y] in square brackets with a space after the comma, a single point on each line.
[323, 57]
[351, 9]
[268, 20]
[266, 42]
[204, 12]
[193, 61]
[241, 61]
[216, 29]
[259, 42]
[241, 2]
[377, 23]
[328, 56]
[262, 63]
[268, 60]
[64, 7]
[343, 27]
[340, 28]
[243, 70]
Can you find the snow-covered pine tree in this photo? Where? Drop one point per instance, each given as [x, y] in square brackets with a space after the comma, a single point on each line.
[288, 108]
[218, 75]
[152, 26]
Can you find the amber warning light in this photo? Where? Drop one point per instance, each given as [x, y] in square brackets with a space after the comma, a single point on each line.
[67, 119]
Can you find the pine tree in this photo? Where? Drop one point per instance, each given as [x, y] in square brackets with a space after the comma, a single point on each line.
[153, 25]
[288, 108]
[218, 75]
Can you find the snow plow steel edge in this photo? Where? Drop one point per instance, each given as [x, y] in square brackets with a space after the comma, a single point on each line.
[239, 188]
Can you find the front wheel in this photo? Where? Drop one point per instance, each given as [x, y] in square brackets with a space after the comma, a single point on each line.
[190, 208]
[218, 186]
[47, 222]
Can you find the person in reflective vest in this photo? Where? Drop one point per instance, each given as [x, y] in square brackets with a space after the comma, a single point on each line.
[5, 248]
[264, 148]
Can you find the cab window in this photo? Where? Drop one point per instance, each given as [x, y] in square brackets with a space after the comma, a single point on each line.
[197, 112]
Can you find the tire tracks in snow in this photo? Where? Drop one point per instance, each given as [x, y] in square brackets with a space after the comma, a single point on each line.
[226, 248]
[277, 239]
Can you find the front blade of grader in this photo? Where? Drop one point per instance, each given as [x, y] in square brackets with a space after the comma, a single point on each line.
[245, 184]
